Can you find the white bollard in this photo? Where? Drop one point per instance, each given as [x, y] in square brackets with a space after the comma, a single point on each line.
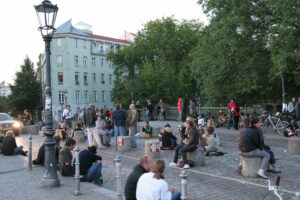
[183, 175]
[119, 178]
[30, 152]
[77, 173]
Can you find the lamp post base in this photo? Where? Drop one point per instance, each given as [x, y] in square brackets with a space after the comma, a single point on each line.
[50, 182]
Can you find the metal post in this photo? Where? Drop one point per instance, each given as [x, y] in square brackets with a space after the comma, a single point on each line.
[183, 175]
[30, 152]
[118, 177]
[283, 90]
[50, 178]
[77, 173]
[131, 81]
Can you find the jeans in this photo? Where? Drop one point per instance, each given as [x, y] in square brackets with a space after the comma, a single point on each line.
[132, 135]
[94, 172]
[298, 123]
[139, 115]
[230, 116]
[272, 160]
[182, 149]
[121, 130]
[106, 135]
[148, 115]
[17, 150]
[259, 153]
[176, 195]
[92, 131]
[180, 115]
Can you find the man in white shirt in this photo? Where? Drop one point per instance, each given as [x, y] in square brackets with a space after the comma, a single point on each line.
[67, 117]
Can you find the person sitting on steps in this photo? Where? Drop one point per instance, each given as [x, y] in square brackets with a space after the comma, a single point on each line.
[147, 131]
[167, 138]
[211, 143]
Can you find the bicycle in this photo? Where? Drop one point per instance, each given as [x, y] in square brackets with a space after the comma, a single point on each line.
[274, 122]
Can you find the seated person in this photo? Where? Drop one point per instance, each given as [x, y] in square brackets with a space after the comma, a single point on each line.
[153, 186]
[211, 143]
[90, 165]
[251, 144]
[62, 131]
[201, 134]
[1, 138]
[9, 145]
[77, 128]
[147, 131]
[210, 120]
[190, 140]
[167, 138]
[65, 158]
[145, 166]
[221, 119]
[292, 129]
[41, 154]
[201, 120]
[106, 130]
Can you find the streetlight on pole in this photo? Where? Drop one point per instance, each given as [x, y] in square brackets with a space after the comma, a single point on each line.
[46, 13]
[132, 81]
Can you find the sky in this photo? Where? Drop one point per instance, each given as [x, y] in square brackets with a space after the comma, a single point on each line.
[20, 37]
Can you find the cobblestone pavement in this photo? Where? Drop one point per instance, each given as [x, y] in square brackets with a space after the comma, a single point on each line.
[216, 180]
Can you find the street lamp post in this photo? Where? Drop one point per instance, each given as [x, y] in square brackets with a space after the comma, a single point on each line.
[46, 13]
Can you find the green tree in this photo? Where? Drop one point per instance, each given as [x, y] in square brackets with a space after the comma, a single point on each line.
[4, 105]
[26, 90]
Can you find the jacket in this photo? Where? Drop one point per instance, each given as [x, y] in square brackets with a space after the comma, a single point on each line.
[132, 180]
[8, 145]
[86, 159]
[90, 117]
[65, 155]
[179, 105]
[132, 118]
[119, 117]
[191, 136]
[151, 188]
[297, 111]
[211, 143]
[248, 140]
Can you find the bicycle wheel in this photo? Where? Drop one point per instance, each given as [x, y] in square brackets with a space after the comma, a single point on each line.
[264, 126]
[281, 127]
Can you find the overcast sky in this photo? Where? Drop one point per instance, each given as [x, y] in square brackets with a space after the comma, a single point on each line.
[20, 37]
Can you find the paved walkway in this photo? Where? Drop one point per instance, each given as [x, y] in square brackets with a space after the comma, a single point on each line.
[216, 180]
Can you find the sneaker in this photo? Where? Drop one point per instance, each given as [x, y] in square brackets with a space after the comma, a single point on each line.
[133, 146]
[83, 179]
[239, 169]
[186, 166]
[172, 164]
[261, 174]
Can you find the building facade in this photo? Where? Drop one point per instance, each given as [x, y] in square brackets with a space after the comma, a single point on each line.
[4, 89]
[80, 73]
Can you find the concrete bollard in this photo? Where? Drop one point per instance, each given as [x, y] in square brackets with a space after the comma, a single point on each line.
[119, 178]
[250, 166]
[152, 148]
[77, 173]
[30, 152]
[183, 175]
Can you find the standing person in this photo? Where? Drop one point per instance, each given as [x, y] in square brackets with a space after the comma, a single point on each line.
[180, 109]
[297, 113]
[145, 166]
[119, 120]
[26, 120]
[153, 186]
[162, 110]
[192, 107]
[139, 109]
[9, 145]
[132, 124]
[236, 116]
[90, 119]
[292, 107]
[149, 110]
[231, 105]
[67, 118]
[65, 158]
[190, 143]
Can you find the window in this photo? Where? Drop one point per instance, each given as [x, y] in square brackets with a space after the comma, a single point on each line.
[110, 79]
[85, 61]
[85, 78]
[85, 96]
[103, 95]
[61, 97]
[59, 61]
[77, 96]
[93, 62]
[60, 78]
[102, 79]
[94, 77]
[76, 43]
[84, 44]
[76, 60]
[102, 62]
[95, 95]
[77, 78]
[59, 42]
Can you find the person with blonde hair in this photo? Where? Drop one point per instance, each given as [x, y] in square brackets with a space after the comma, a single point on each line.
[152, 186]
[132, 124]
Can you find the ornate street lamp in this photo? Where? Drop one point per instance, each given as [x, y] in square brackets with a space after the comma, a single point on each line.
[46, 13]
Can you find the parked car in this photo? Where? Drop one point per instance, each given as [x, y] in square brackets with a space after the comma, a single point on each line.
[7, 123]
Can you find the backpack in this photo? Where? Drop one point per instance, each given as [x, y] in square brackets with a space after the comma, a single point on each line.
[181, 163]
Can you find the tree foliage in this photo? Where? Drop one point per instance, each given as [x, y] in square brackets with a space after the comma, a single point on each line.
[26, 90]
[4, 105]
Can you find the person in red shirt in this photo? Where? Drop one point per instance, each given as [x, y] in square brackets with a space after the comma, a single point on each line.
[231, 105]
[180, 109]
[236, 116]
